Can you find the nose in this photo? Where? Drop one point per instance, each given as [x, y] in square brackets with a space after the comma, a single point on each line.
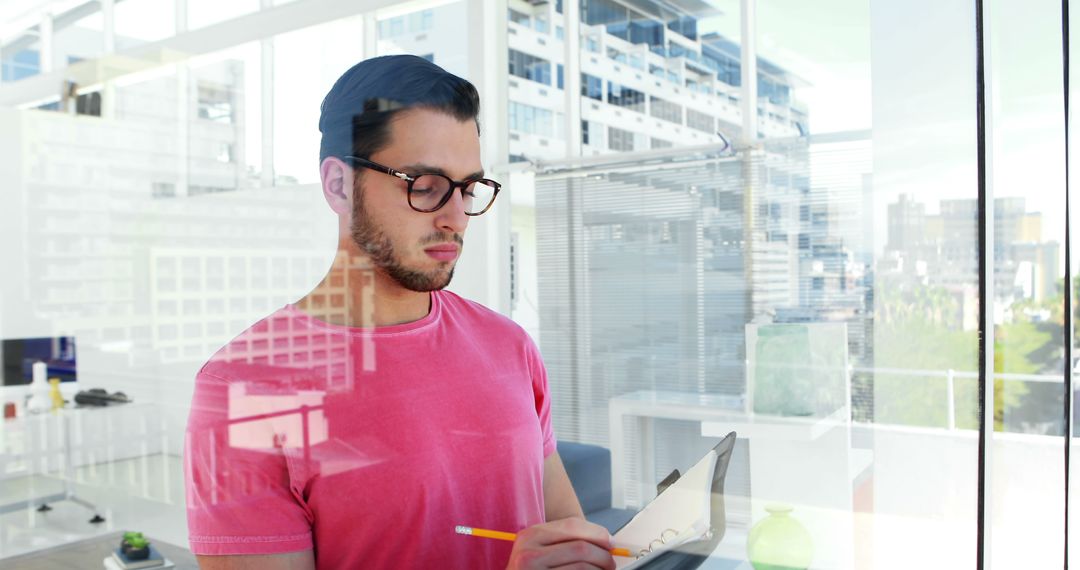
[451, 217]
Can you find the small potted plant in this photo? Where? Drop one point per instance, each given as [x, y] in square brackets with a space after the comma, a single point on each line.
[134, 546]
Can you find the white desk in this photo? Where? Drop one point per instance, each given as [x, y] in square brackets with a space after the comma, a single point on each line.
[55, 443]
[725, 410]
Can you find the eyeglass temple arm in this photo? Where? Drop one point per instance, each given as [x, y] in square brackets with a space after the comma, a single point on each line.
[376, 166]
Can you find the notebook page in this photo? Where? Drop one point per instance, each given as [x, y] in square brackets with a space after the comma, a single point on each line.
[683, 509]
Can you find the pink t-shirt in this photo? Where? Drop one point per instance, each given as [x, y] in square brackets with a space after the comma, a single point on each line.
[410, 430]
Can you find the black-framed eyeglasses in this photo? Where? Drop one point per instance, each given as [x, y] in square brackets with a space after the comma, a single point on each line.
[429, 192]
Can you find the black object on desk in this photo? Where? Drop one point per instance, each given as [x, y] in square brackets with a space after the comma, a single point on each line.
[100, 397]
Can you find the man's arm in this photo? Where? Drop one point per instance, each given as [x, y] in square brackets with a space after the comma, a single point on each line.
[566, 538]
[560, 501]
[304, 560]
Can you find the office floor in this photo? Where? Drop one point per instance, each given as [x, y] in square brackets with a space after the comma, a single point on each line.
[143, 494]
[147, 495]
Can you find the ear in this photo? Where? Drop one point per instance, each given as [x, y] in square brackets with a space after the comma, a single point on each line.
[337, 184]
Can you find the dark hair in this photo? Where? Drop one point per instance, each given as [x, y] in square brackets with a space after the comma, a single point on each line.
[356, 113]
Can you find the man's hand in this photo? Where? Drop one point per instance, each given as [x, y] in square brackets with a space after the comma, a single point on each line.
[567, 543]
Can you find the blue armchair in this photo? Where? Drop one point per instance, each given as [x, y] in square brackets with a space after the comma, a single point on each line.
[589, 468]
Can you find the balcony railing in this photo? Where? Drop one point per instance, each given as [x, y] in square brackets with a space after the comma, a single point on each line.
[950, 376]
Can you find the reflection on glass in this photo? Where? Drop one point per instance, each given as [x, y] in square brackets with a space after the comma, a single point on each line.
[299, 83]
[1029, 228]
[818, 297]
[820, 294]
[202, 13]
[1073, 308]
[20, 58]
[144, 21]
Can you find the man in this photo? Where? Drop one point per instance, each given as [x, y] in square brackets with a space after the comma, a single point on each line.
[357, 427]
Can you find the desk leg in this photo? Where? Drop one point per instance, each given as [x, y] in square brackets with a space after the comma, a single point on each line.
[647, 467]
[616, 444]
[646, 462]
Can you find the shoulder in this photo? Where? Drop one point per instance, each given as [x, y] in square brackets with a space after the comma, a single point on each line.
[480, 319]
[237, 359]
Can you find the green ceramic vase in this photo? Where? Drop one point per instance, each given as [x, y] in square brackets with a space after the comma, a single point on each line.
[779, 542]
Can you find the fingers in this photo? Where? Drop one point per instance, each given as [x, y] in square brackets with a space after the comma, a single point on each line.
[568, 543]
[577, 552]
[567, 530]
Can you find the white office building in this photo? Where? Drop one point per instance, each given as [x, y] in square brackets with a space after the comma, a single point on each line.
[648, 79]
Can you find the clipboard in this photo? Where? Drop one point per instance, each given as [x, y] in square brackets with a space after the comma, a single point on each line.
[686, 521]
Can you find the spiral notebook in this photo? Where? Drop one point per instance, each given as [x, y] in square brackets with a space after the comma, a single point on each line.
[682, 526]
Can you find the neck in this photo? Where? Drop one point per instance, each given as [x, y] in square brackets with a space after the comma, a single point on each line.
[355, 293]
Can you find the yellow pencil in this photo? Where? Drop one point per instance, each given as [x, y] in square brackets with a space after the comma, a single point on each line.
[500, 535]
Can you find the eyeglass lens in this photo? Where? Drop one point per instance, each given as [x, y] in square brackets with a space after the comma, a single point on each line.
[428, 190]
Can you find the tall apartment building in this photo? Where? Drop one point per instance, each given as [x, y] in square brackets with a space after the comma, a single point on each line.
[666, 269]
[942, 249]
[649, 80]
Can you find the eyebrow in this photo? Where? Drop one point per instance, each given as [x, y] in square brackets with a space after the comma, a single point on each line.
[421, 168]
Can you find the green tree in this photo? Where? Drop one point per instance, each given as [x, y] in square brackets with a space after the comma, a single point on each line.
[920, 328]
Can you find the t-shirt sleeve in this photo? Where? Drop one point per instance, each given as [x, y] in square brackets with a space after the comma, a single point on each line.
[542, 397]
[240, 496]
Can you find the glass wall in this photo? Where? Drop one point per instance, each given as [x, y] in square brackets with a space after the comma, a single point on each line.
[686, 295]
[1070, 396]
[1028, 129]
[804, 270]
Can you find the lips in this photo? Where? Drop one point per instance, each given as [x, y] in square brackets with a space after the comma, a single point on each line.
[445, 252]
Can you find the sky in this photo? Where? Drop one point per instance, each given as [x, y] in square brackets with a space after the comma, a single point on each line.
[906, 70]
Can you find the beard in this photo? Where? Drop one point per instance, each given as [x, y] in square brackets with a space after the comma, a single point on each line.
[373, 241]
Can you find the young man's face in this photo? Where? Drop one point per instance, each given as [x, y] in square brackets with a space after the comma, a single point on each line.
[416, 250]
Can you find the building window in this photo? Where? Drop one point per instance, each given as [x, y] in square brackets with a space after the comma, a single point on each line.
[700, 121]
[656, 143]
[592, 87]
[666, 110]
[215, 104]
[163, 190]
[685, 25]
[22, 64]
[616, 55]
[620, 140]
[529, 119]
[416, 22]
[519, 18]
[88, 104]
[604, 12]
[625, 97]
[559, 75]
[584, 132]
[225, 153]
[542, 24]
[392, 27]
[530, 67]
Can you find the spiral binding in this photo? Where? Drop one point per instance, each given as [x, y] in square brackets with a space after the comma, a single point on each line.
[665, 536]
